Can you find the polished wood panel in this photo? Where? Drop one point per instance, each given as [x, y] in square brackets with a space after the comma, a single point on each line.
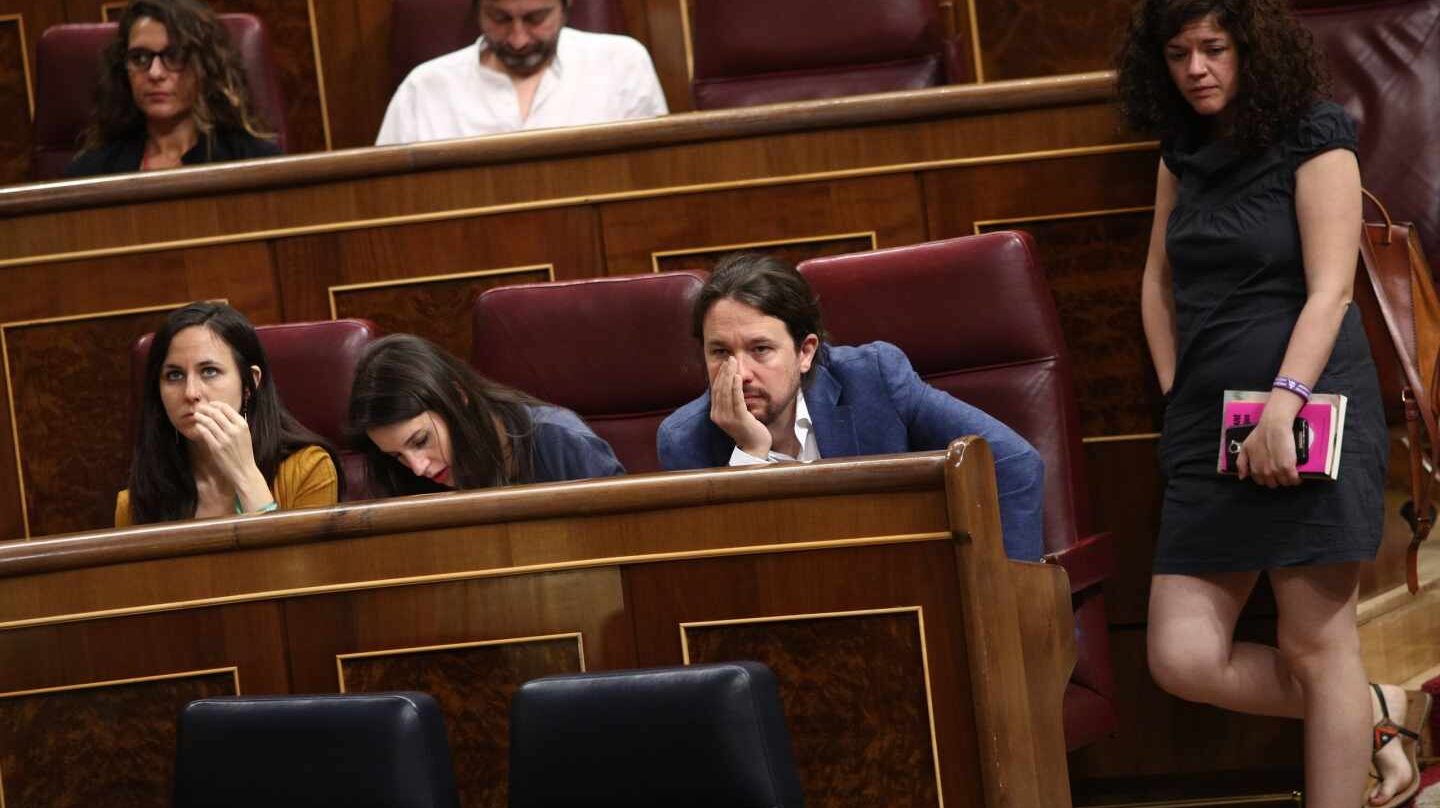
[64, 400]
[803, 137]
[67, 738]
[1026, 38]
[791, 251]
[354, 40]
[437, 309]
[310, 266]
[1091, 231]
[133, 723]
[866, 664]
[15, 100]
[1093, 262]
[473, 684]
[371, 589]
[836, 765]
[807, 215]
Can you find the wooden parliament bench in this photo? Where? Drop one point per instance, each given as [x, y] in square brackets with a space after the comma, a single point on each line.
[918, 666]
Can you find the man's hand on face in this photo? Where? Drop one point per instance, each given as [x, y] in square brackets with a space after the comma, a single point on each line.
[728, 411]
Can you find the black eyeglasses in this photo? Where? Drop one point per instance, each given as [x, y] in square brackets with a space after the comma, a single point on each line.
[140, 59]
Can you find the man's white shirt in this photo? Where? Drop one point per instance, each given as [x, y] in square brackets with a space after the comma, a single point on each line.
[804, 434]
[593, 78]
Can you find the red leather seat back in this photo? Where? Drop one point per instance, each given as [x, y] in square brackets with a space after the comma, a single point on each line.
[977, 320]
[421, 30]
[1385, 61]
[68, 68]
[749, 52]
[617, 351]
[313, 368]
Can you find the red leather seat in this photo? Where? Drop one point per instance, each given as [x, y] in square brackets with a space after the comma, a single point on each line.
[749, 52]
[420, 30]
[1385, 61]
[977, 320]
[617, 351]
[67, 69]
[313, 365]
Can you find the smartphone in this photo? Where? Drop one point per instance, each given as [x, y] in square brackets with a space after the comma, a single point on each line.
[1236, 435]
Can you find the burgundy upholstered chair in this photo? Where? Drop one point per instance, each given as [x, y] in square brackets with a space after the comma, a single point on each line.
[67, 70]
[420, 30]
[977, 320]
[313, 365]
[617, 351]
[1385, 61]
[749, 52]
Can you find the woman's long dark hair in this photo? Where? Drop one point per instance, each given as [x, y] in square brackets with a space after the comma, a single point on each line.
[222, 100]
[1280, 73]
[162, 485]
[402, 376]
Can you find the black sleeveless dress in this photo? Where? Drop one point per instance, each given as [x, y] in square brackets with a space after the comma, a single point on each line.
[1233, 242]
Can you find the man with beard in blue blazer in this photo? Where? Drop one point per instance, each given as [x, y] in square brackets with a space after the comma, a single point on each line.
[779, 393]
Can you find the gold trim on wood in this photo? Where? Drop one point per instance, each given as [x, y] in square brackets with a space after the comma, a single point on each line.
[924, 659]
[422, 649]
[319, 80]
[1059, 217]
[1136, 436]
[590, 199]
[234, 671]
[107, 8]
[10, 385]
[656, 255]
[19, 20]
[975, 42]
[422, 279]
[1280, 799]
[468, 575]
[687, 36]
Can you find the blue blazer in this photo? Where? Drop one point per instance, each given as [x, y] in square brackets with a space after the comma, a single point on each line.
[563, 447]
[868, 400]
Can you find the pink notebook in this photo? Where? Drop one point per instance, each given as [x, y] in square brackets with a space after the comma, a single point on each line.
[1319, 428]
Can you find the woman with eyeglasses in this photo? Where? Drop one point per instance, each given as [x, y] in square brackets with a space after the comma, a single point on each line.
[172, 92]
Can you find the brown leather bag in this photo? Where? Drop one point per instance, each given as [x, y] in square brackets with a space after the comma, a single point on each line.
[1401, 312]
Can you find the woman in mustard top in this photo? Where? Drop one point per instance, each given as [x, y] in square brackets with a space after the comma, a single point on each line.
[214, 439]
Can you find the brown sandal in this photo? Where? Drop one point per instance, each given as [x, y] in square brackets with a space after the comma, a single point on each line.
[1417, 712]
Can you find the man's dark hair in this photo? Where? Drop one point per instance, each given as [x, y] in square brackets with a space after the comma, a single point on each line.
[475, 7]
[771, 285]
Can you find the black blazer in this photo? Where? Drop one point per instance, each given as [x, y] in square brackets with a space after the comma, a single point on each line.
[121, 156]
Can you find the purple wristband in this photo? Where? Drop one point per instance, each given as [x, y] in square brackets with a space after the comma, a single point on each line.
[1287, 383]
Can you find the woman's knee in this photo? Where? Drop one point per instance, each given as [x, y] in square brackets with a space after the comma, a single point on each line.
[1312, 656]
[1183, 668]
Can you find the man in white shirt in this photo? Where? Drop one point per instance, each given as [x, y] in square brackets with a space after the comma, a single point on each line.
[527, 71]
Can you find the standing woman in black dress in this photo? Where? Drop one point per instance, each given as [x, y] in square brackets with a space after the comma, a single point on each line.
[1247, 286]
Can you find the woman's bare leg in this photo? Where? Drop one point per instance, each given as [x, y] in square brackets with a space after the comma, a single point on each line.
[1193, 653]
[1320, 644]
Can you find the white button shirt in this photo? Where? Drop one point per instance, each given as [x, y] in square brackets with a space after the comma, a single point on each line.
[804, 434]
[593, 78]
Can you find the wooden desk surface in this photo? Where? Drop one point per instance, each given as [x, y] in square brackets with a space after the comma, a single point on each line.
[917, 664]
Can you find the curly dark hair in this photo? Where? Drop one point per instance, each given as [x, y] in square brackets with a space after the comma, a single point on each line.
[223, 98]
[1280, 73]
